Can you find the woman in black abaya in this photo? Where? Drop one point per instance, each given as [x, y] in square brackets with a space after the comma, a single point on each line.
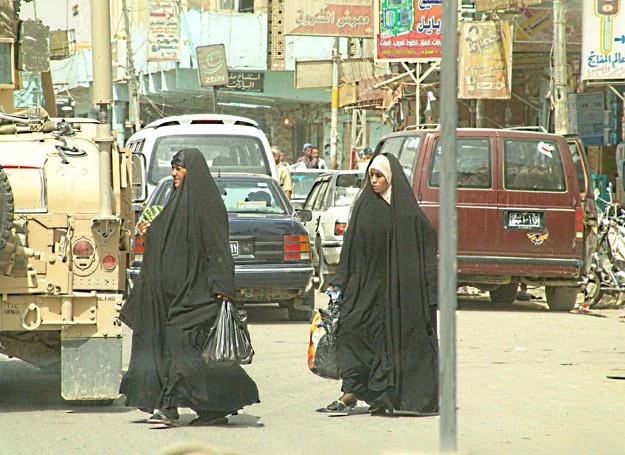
[187, 270]
[388, 346]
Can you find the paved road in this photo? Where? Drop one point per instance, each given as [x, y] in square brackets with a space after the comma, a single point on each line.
[529, 381]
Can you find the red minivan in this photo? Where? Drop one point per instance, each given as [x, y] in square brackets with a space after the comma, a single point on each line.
[521, 218]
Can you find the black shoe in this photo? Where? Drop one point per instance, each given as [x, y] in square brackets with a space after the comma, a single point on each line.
[211, 418]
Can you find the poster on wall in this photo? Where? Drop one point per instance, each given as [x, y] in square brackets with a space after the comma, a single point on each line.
[535, 26]
[603, 40]
[485, 67]
[348, 18]
[408, 30]
[163, 32]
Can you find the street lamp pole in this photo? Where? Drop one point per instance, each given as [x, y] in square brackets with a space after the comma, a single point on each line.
[336, 55]
[560, 85]
[134, 109]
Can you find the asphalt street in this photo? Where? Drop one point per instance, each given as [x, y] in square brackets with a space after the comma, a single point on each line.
[528, 381]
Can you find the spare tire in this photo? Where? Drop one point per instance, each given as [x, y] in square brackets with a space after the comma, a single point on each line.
[6, 208]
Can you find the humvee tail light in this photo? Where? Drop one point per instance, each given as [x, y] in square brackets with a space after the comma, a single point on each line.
[83, 249]
[339, 228]
[296, 247]
[109, 262]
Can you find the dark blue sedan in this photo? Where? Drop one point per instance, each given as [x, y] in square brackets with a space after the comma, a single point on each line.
[269, 244]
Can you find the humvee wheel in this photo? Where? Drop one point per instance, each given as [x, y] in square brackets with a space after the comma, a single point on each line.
[6, 208]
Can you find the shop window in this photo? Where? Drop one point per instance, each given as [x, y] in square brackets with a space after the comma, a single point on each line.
[241, 6]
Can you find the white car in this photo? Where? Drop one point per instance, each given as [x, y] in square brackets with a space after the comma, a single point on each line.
[330, 200]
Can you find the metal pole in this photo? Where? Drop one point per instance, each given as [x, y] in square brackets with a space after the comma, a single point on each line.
[418, 96]
[560, 70]
[103, 96]
[448, 230]
[479, 113]
[134, 108]
[336, 54]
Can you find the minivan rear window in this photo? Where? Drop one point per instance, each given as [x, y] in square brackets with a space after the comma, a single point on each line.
[473, 163]
[533, 165]
[240, 154]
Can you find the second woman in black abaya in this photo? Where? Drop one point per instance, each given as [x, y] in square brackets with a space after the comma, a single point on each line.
[388, 347]
[186, 270]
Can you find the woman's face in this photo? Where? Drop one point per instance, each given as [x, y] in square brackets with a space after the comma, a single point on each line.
[178, 173]
[378, 181]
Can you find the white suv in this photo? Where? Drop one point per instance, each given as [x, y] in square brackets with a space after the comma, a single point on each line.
[231, 144]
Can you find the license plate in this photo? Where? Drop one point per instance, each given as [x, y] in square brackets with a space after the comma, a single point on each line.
[234, 247]
[525, 220]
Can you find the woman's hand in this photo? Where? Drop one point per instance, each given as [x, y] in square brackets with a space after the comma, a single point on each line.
[222, 297]
[143, 228]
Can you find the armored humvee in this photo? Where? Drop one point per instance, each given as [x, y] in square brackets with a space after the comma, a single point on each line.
[62, 258]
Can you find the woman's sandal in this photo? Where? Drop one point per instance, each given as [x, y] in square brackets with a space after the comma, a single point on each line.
[340, 406]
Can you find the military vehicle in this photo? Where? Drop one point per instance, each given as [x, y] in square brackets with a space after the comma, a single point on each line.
[65, 226]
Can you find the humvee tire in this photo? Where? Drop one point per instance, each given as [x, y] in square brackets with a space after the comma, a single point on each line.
[6, 208]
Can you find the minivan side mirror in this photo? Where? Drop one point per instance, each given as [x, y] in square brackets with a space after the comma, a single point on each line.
[304, 215]
[139, 178]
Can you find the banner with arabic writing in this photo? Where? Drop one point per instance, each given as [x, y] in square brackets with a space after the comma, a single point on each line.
[603, 40]
[348, 18]
[163, 32]
[408, 30]
[485, 67]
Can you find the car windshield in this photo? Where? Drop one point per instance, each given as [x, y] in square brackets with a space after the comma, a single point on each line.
[347, 187]
[227, 153]
[302, 183]
[239, 196]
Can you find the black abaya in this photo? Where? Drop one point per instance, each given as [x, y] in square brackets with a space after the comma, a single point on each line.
[387, 328]
[186, 264]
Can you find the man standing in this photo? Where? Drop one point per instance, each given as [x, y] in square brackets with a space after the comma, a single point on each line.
[307, 157]
[321, 163]
[284, 176]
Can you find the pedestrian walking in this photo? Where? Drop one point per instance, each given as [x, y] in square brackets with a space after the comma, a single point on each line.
[387, 275]
[307, 158]
[187, 271]
[284, 176]
[321, 163]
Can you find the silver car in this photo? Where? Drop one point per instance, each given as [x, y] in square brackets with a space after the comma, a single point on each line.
[330, 200]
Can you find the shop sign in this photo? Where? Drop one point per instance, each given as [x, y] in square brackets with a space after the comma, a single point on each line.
[485, 68]
[245, 81]
[212, 65]
[408, 30]
[349, 18]
[603, 42]
[163, 32]
[491, 5]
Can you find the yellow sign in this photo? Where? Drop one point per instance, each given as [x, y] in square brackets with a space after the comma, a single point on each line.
[485, 70]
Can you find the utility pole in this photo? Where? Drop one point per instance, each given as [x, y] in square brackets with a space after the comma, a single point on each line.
[134, 108]
[560, 85]
[336, 55]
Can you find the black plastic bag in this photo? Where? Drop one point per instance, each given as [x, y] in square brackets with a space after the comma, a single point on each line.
[324, 343]
[228, 342]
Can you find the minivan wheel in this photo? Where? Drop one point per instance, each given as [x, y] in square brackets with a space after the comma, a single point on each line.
[506, 293]
[561, 298]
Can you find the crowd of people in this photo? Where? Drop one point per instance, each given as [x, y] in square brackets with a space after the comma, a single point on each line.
[387, 277]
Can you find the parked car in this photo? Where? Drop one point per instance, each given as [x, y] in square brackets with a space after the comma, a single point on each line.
[229, 143]
[303, 179]
[519, 208]
[329, 201]
[269, 244]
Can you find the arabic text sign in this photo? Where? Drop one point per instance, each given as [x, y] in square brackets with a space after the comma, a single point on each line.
[212, 65]
[485, 69]
[603, 41]
[163, 34]
[408, 30]
[535, 25]
[245, 81]
[351, 18]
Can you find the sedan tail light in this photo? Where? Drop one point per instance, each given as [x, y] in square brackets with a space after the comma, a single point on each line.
[137, 250]
[296, 247]
[339, 227]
